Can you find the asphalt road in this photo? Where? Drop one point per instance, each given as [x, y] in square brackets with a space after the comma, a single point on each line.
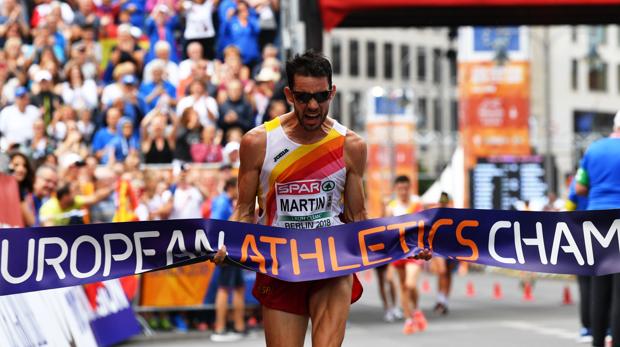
[476, 321]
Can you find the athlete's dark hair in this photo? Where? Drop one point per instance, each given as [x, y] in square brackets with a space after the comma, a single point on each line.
[402, 179]
[310, 64]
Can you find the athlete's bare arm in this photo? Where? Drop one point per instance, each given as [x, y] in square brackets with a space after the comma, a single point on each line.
[355, 161]
[251, 155]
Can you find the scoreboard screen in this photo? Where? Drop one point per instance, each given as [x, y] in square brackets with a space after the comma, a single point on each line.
[500, 182]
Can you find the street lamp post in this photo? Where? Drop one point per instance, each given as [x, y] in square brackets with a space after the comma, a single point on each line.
[549, 177]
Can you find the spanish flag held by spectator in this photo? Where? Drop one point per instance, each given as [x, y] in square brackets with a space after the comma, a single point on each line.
[127, 202]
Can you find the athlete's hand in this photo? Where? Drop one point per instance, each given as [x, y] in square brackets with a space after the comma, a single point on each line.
[220, 256]
[425, 254]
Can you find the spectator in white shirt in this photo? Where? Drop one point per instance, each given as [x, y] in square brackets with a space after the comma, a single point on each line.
[16, 120]
[205, 105]
[162, 52]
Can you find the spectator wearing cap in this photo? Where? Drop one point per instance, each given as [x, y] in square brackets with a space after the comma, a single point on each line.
[20, 78]
[171, 69]
[201, 102]
[123, 143]
[78, 92]
[158, 90]
[199, 25]
[236, 111]
[242, 30]
[160, 26]
[231, 153]
[132, 101]
[16, 120]
[46, 99]
[104, 136]
[262, 92]
[70, 164]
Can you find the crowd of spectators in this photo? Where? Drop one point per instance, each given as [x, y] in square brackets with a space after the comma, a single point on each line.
[95, 95]
[91, 90]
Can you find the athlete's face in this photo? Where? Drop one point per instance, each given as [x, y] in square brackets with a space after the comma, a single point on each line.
[402, 191]
[310, 98]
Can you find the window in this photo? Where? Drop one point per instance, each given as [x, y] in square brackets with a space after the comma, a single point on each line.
[404, 62]
[336, 56]
[574, 74]
[371, 59]
[388, 61]
[597, 77]
[354, 69]
[454, 115]
[586, 122]
[573, 33]
[453, 67]
[437, 124]
[597, 34]
[437, 66]
[355, 111]
[422, 119]
[421, 64]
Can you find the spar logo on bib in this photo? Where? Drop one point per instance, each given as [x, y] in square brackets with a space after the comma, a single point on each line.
[305, 187]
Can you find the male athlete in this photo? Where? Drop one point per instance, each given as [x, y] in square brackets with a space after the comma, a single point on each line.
[306, 170]
[408, 269]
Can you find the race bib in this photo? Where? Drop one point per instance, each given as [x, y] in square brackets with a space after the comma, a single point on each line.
[305, 204]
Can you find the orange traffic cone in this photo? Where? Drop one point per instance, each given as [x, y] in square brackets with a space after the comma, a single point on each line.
[471, 292]
[527, 292]
[567, 297]
[426, 286]
[497, 291]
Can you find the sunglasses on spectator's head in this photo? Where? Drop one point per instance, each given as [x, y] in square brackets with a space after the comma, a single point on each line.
[305, 98]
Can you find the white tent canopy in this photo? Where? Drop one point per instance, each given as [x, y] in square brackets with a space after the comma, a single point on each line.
[451, 181]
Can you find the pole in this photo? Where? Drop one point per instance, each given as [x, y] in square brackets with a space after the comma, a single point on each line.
[548, 155]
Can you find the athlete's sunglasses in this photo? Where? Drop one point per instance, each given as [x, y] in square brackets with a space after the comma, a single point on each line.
[305, 98]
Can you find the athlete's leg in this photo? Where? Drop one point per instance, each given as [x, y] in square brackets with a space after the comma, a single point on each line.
[329, 308]
[239, 308]
[391, 281]
[405, 297]
[221, 309]
[283, 329]
[381, 281]
[412, 271]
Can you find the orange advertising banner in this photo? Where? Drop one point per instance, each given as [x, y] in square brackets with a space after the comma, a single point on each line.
[181, 286]
[494, 108]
